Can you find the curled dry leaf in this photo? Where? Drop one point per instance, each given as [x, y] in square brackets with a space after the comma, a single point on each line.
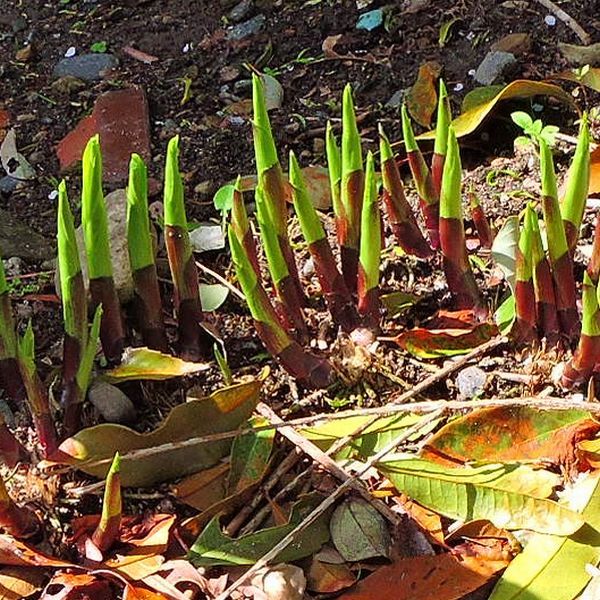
[91, 449]
[143, 363]
[421, 100]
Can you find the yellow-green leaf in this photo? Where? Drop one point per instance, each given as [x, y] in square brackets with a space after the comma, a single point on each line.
[552, 566]
[469, 493]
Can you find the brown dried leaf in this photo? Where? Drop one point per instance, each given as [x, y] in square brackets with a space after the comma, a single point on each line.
[421, 99]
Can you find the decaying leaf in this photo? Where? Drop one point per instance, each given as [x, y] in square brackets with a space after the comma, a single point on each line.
[72, 586]
[214, 548]
[421, 99]
[327, 578]
[224, 410]
[482, 492]
[435, 343]
[469, 121]
[13, 162]
[418, 578]
[17, 583]
[581, 55]
[517, 433]
[143, 363]
[590, 78]
[358, 531]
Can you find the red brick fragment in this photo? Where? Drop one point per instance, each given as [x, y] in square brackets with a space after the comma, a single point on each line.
[121, 118]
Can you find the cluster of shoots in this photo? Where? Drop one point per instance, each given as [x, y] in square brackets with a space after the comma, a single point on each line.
[18, 371]
[351, 291]
[545, 288]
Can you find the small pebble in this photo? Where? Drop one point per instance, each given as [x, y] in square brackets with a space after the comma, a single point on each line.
[53, 195]
[472, 72]
[186, 48]
[70, 52]
[550, 20]
[458, 87]
[470, 382]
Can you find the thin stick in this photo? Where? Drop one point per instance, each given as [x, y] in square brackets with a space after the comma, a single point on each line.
[568, 20]
[329, 501]
[222, 280]
[286, 464]
[327, 463]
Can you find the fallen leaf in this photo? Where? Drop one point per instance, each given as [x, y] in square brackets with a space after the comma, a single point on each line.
[421, 578]
[435, 343]
[358, 531]
[328, 45]
[77, 586]
[202, 490]
[482, 492]
[20, 582]
[143, 363]
[273, 92]
[469, 121]
[372, 439]
[518, 433]
[427, 520]
[135, 592]
[328, 578]
[397, 302]
[554, 567]
[212, 295]
[480, 95]
[421, 99]
[250, 453]
[591, 78]
[317, 184]
[17, 554]
[581, 55]
[445, 31]
[13, 162]
[224, 410]
[214, 548]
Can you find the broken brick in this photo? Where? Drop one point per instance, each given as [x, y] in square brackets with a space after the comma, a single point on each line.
[121, 118]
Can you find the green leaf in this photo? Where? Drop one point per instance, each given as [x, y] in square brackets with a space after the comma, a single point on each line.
[84, 372]
[224, 410]
[504, 249]
[223, 199]
[445, 29]
[358, 531]
[469, 493]
[250, 453]
[143, 363]
[373, 439]
[212, 295]
[522, 119]
[99, 47]
[214, 548]
[555, 567]
[505, 315]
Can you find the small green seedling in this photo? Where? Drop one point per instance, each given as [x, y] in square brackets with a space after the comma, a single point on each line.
[533, 130]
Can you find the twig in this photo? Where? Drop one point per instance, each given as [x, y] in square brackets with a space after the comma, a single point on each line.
[541, 402]
[329, 501]
[222, 280]
[286, 464]
[568, 20]
[327, 462]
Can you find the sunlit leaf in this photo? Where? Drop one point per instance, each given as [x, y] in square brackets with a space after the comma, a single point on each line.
[143, 363]
[421, 99]
[215, 548]
[469, 121]
[555, 567]
[468, 493]
[224, 410]
[512, 433]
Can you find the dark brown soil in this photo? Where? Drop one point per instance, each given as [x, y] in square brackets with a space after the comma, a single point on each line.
[216, 138]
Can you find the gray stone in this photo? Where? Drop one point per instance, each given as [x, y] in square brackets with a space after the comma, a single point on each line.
[396, 100]
[247, 28]
[116, 209]
[18, 239]
[241, 86]
[111, 403]
[88, 67]
[470, 382]
[8, 185]
[493, 66]
[14, 266]
[240, 11]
